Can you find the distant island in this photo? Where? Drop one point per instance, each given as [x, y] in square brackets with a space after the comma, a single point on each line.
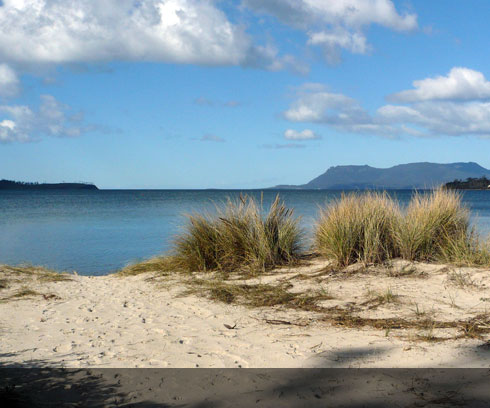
[470, 183]
[403, 176]
[19, 185]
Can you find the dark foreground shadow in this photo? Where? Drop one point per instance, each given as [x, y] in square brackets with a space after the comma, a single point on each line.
[200, 388]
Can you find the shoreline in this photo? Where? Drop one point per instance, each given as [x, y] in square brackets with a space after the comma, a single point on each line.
[153, 320]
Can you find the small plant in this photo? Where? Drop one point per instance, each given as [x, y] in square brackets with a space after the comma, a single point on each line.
[378, 299]
[460, 279]
[419, 312]
[452, 300]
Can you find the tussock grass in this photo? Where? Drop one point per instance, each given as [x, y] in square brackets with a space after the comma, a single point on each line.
[465, 249]
[371, 228]
[432, 223]
[358, 228]
[240, 236]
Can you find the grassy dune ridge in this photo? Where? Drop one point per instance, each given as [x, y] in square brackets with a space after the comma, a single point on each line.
[372, 228]
[366, 227]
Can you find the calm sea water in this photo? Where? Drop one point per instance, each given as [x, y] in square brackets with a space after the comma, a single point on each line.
[98, 232]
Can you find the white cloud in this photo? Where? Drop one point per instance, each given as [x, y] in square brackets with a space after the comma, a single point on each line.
[440, 117]
[459, 83]
[336, 24]
[335, 39]
[314, 104]
[176, 31]
[9, 83]
[19, 123]
[307, 134]
[452, 111]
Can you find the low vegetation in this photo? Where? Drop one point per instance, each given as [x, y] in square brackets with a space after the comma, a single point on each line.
[256, 295]
[358, 227]
[371, 228]
[240, 236]
[431, 223]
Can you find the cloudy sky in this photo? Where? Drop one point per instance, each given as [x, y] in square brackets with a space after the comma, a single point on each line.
[238, 94]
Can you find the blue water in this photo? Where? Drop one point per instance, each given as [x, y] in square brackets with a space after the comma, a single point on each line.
[98, 232]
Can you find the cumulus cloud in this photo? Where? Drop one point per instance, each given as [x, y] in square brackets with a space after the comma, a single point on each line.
[457, 110]
[20, 123]
[307, 134]
[315, 105]
[176, 31]
[459, 83]
[440, 118]
[336, 24]
[9, 82]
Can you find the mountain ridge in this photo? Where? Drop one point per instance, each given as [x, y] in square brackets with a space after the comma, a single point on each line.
[420, 175]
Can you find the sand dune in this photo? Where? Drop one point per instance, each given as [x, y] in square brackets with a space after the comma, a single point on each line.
[146, 321]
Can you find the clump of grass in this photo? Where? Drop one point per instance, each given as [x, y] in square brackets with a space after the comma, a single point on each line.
[25, 292]
[461, 279]
[358, 227]
[465, 249]
[378, 299]
[239, 236]
[371, 228]
[158, 264]
[431, 224]
[22, 293]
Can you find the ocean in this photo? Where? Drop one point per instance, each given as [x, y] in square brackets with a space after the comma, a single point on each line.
[99, 232]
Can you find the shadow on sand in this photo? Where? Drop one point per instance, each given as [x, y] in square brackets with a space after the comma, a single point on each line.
[35, 384]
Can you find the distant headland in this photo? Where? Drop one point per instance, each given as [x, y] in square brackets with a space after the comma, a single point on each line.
[470, 183]
[19, 185]
[400, 177]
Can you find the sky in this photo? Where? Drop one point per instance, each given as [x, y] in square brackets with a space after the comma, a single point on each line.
[238, 94]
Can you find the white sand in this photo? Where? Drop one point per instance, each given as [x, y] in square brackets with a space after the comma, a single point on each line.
[137, 321]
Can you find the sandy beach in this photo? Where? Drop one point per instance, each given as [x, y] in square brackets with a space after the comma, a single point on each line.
[149, 320]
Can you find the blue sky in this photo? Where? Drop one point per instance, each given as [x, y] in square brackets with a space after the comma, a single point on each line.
[238, 94]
